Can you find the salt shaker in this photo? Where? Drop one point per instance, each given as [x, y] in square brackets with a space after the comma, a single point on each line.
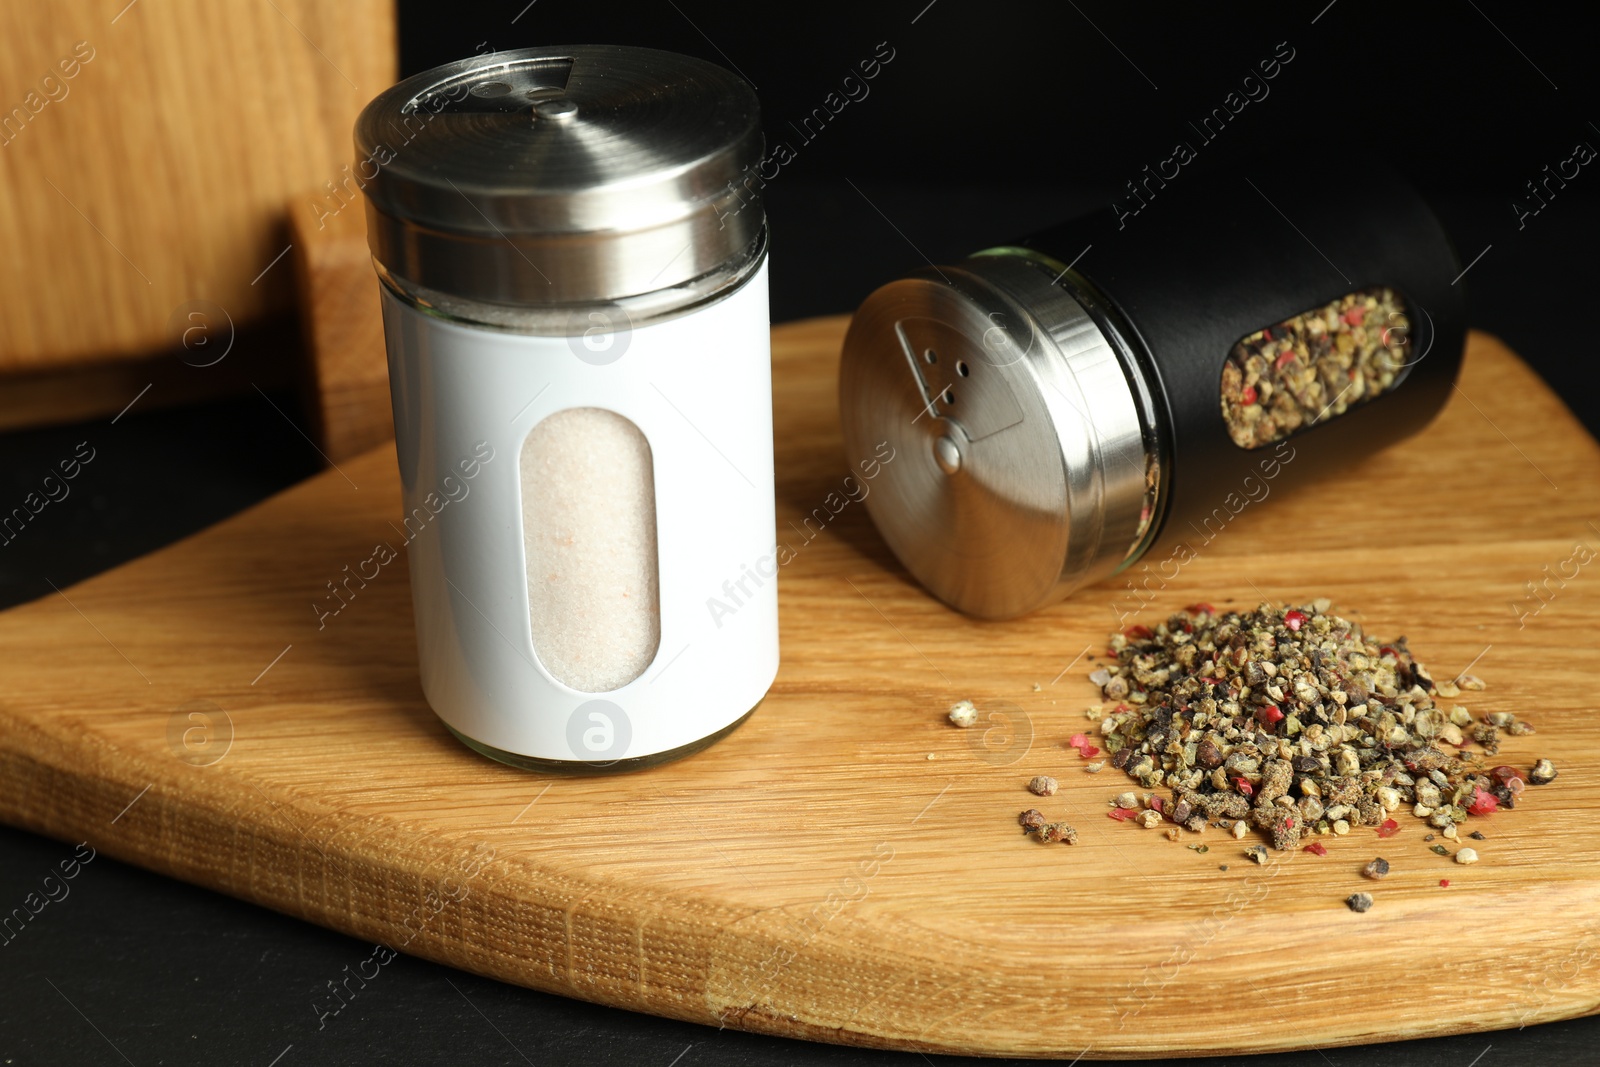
[1117, 390]
[574, 289]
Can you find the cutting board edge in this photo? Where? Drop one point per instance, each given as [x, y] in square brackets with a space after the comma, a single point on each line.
[169, 808]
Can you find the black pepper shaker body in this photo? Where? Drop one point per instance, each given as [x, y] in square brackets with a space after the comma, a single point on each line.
[1072, 398]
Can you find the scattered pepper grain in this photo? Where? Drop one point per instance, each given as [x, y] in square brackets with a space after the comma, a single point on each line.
[964, 713]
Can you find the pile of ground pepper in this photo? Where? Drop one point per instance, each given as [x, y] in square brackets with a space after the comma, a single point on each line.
[1292, 722]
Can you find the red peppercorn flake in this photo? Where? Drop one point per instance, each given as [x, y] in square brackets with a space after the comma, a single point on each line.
[1444, 883]
[1245, 787]
[1270, 714]
[1295, 619]
[1388, 828]
[1317, 848]
[1483, 802]
[1121, 814]
[1201, 608]
[1157, 804]
[1081, 743]
[1284, 358]
[1249, 394]
[1503, 774]
[1138, 633]
[1354, 315]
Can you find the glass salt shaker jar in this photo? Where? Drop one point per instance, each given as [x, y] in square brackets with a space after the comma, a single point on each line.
[1121, 387]
[574, 291]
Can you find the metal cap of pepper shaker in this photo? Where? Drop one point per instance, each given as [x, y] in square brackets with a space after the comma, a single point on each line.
[482, 175]
[1028, 465]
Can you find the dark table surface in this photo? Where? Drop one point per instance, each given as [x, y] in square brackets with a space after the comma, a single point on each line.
[135, 968]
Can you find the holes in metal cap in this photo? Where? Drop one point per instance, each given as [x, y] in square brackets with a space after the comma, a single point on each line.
[503, 88]
[930, 356]
[948, 396]
[962, 368]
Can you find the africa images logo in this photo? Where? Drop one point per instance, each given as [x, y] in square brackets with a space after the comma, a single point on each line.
[599, 730]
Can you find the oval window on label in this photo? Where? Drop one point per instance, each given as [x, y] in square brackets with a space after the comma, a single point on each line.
[589, 532]
[1315, 366]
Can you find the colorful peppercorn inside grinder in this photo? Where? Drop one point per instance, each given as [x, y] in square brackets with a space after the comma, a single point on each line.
[1142, 374]
[574, 294]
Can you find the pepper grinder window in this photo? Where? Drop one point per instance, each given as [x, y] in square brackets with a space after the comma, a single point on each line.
[1072, 399]
[574, 295]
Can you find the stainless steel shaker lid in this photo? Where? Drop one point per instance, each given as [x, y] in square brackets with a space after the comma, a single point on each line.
[1020, 463]
[561, 175]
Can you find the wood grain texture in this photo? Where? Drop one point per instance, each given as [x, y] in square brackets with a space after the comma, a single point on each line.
[347, 381]
[157, 173]
[817, 874]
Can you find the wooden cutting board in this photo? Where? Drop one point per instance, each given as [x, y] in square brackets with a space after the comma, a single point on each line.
[847, 866]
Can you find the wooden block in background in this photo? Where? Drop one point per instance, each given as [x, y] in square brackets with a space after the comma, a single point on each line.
[158, 173]
[346, 382]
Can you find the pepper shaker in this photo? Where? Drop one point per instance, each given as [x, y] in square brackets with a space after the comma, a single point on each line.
[1071, 399]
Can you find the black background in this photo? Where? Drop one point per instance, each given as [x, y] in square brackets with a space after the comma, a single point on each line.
[992, 119]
